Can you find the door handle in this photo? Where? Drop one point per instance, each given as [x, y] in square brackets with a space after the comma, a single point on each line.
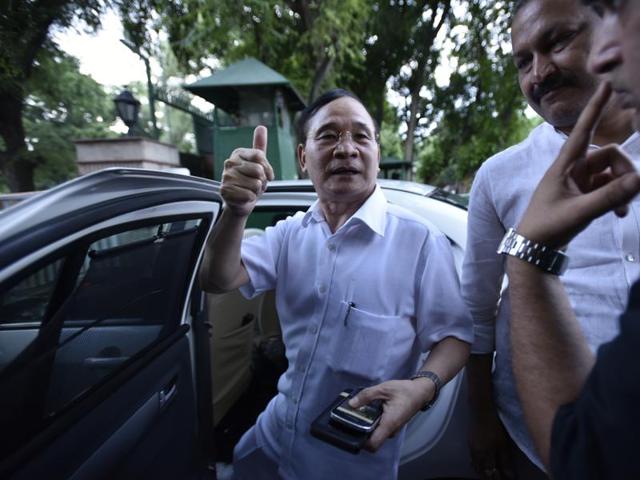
[104, 362]
[168, 393]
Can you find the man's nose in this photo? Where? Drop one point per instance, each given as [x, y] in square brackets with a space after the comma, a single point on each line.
[542, 67]
[344, 144]
[606, 51]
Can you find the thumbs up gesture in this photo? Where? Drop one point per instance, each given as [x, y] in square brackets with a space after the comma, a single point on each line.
[246, 174]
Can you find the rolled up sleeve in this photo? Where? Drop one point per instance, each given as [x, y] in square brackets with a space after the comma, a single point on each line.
[482, 269]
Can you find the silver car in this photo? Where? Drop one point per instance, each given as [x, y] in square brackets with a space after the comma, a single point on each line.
[114, 364]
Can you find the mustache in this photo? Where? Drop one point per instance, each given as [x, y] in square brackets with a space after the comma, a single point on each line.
[553, 82]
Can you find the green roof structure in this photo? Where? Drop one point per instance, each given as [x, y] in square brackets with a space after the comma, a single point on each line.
[224, 86]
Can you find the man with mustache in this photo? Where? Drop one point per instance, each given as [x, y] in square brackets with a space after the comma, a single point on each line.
[582, 412]
[551, 40]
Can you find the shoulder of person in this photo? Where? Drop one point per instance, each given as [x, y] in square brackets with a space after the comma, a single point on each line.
[412, 221]
[508, 159]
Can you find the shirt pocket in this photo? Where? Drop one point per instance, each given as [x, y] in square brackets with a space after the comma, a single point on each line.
[364, 343]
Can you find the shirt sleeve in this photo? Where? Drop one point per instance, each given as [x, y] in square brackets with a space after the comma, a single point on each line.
[482, 269]
[441, 312]
[260, 255]
[598, 435]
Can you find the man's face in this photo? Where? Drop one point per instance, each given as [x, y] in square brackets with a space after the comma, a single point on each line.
[551, 41]
[616, 50]
[341, 153]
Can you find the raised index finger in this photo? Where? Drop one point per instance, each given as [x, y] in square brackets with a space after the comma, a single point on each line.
[580, 138]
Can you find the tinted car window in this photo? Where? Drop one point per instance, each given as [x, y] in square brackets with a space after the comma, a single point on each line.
[28, 300]
[83, 316]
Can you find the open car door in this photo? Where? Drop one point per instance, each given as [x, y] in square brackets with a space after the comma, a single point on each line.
[100, 328]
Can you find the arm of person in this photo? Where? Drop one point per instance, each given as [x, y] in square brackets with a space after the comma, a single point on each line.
[482, 275]
[550, 355]
[402, 399]
[244, 179]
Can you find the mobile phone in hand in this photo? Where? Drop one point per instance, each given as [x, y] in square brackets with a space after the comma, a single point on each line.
[363, 419]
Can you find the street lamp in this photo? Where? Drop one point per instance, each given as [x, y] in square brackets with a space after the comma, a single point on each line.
[128, 109]
[152, 104]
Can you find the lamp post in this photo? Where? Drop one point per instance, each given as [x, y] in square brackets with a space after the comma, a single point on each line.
[128, 109]
[152, 105]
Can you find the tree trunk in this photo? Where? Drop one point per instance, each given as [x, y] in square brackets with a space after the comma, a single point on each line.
[15, 163]
[320, 74]
[411, 129]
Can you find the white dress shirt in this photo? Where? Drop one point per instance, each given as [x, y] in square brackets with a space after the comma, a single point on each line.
[357, 307]
[604, 260]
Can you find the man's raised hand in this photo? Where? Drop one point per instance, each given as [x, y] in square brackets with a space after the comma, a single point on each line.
[580, 185]
[246, 174]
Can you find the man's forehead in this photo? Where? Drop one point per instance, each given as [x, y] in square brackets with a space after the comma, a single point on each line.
[341, 111]
[536, 20]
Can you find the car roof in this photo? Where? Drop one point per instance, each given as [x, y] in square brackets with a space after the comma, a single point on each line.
[108, 192]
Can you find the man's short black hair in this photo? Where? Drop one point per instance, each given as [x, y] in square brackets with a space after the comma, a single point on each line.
[327, 97]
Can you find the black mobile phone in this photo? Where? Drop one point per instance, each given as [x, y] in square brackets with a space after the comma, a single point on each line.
[363, 419]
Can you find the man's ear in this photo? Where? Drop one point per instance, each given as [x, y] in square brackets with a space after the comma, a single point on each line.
[302, 161]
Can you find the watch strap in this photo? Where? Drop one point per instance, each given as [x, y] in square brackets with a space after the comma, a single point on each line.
[544, 257]
[436, 381]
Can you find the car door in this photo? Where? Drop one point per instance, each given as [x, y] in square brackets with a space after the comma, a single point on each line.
[101, 329]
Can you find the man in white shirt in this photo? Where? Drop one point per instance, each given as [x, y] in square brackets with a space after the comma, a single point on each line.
[551, 41]
[363, 288]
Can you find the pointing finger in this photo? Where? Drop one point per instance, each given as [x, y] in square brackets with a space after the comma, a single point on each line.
[580, 138]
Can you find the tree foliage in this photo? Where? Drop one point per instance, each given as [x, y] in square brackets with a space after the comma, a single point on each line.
[480, 111]
[308, 41]
[73, 107]
[371, 47]
[24, 31]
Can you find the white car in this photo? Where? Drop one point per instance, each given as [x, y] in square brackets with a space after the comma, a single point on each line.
[111, 357]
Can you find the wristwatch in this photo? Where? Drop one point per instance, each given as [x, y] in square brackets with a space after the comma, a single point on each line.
[550, 260]
[436, 381]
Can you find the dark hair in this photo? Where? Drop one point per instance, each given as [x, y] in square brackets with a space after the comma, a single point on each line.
[518, 4]
[302, 127]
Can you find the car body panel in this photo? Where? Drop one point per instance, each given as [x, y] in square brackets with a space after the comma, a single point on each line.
[121, 391]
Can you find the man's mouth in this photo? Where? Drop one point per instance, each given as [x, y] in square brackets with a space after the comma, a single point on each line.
[550, 86]
[344, 171]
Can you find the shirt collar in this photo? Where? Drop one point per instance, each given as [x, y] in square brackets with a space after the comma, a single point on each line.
[631, 144]
[372, 213]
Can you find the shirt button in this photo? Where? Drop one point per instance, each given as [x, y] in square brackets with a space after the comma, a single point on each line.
[332, 247]
[322, 289]
[314, 329]
[630, 257]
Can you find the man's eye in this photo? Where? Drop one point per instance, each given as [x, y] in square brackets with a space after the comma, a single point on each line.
[361, 136]
[327, 136]
[561, 42]
[522, 63]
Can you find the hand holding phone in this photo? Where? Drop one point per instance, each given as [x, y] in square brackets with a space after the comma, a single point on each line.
[363, 419]
[346, 428]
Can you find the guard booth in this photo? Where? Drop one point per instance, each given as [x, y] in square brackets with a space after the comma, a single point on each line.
[248, 94]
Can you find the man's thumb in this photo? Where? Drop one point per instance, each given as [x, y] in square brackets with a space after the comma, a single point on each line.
[260, 138]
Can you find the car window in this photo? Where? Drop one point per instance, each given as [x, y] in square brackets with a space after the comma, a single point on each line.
[265, 217]
[86, 314]
[27, 301]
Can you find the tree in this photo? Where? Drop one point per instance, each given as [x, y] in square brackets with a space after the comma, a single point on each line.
[72, 107]
[308, 41]
[480, 111]
[24, 30]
